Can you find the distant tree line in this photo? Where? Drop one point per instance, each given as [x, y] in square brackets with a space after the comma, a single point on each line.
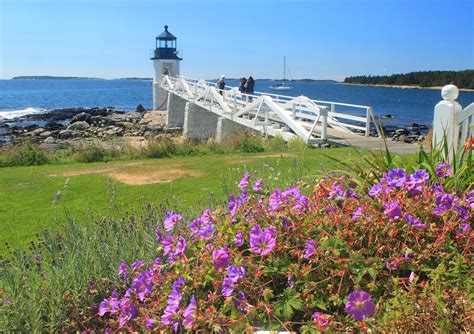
[462, 79]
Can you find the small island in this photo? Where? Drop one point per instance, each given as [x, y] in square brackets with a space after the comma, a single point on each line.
[52, 77]
[424, 79]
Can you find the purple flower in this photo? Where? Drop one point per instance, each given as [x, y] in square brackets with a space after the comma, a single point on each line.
[196, 225]
[444, 170]
[408, 254]
[171, 219]
[206, 231]
[170, 317]
[244, 181]
[418, 179]
[262, 242]
[190, 314]
[37, 258]
[321, 320]
[275, 199]
[227, 286]
[444, 202]
[357, 213]
[376, 189]
[411, 278]
[463, 230]
[239, 239]
[396, 178]
[155, 265]
[392, 210]
[337, 192]
[129, 312]
[241, 302]
[159, 237]
[150, 323]
[234, 204]
[360, 305]
[236, 273]
[142, 285]
[122, 271]
[179, 283]
[220, 258]
[137, 264]
[108, 305]
[258, 186]
[180, 247]
[309, 249]
[167, 244]
[414, 221]
[289, 282]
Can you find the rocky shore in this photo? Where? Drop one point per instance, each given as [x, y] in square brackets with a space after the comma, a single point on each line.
[76, 126]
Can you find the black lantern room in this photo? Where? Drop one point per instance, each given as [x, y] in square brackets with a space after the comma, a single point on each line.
[165, 47]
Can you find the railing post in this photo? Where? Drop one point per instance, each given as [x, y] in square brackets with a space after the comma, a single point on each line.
[294, 111]
[367, 121]
[324, 123]
[445, 125]
[333, 107]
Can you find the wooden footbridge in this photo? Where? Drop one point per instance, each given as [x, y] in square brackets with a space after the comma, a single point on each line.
[315, 122]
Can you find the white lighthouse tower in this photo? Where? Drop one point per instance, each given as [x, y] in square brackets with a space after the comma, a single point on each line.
[165, 62]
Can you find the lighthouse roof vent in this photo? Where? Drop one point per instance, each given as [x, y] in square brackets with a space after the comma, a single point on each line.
[166, 35]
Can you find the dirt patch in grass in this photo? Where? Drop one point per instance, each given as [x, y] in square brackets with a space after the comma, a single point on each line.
[149, 177]
[137, 173]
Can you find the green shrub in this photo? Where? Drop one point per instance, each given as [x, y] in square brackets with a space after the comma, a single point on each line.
[160, 149]
[29, 155]
[91, 154]
[297, 144]
[276, 144]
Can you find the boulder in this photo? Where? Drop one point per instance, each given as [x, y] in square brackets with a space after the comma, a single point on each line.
[140, 108]
[67, 134]
[49, 140]
[82, 117]
[126, 125]
[45, 134]
[81, 125]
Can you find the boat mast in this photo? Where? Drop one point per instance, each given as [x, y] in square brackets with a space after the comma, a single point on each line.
[284, 68]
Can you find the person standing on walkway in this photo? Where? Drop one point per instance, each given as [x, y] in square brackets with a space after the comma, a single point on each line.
[221, 84]
[242, 87]
[249, 87]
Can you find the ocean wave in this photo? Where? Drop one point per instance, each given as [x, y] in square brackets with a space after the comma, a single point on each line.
[11, 114]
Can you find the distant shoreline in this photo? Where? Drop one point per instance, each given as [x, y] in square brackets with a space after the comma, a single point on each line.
[405, 87]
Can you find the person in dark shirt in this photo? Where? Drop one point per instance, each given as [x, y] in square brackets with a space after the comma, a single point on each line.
[250, 86]
[221, 84]
[242, 87]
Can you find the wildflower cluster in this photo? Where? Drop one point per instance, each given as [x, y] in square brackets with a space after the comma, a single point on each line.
[289, 260]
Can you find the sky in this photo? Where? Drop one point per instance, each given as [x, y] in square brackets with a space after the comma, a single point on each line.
[321, 39]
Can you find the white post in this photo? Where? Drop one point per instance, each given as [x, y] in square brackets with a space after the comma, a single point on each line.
[445, 126]
[324, 123]
[367, 122]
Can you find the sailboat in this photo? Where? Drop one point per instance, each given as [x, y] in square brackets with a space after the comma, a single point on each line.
[282, 85]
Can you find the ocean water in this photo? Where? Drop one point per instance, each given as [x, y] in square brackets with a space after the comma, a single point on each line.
[20, 97]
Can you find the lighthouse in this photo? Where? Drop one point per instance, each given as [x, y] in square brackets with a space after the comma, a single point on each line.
[165, 62]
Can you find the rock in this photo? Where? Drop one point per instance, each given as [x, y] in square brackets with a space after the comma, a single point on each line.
[154, 128]
[81, 125]
[82, 117]
[49, 140]
[126, 125]
[45, 134]
[140, 108]
[36, 132]
[51, 126]
[401, 132]
[66, 134]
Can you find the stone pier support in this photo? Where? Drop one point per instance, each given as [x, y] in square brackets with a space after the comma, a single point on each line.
[198, 122]
[176, 110]
[226, 128]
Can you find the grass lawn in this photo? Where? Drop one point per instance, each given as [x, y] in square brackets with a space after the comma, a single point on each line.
[40, 197]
